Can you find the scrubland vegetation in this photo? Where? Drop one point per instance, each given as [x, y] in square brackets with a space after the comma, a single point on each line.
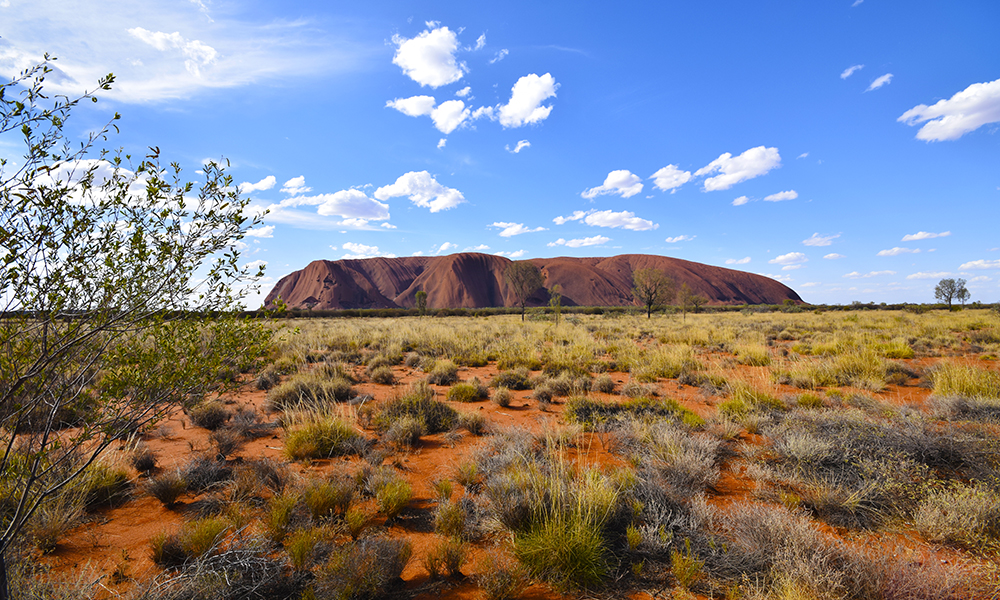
[732, 455]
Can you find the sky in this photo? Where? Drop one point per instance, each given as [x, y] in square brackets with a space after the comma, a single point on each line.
[848, 148]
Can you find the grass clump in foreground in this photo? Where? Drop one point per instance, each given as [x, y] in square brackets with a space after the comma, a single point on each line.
[595, 414]
[418, 403]
[952, 379]
[311, 389]
[318, 434]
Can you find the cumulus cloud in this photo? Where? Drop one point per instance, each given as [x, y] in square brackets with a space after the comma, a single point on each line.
[264, 184]
[480, 42]
[414, 106]
[362, 251]
[296, 186]
[924, 235]
[596, 240]
[608, 218]
[897, 251]
[980, 264]
[429, 59]
[478, 248]
[850, 71]
[869, 275]
[950, 119]
[499, 56]
[780, 196]
[980, 279]
[833, 256]
[449, 115]
[622, 182]
[792, 258]
[576, 216]
[752, 163]
[445, 247]
[197, 54]
[741, 201]
[670, 178]
[924, 275]
[526, 98]
[738, 261]
[883, 80]
[820, 240]
[680, 238]
[267, 231]
[387, 226]
[512, 229]
[462, 93]
[803, 155]
[423, 190]
[441, 143]
[520, 146]
[515, 254]
[350, 204]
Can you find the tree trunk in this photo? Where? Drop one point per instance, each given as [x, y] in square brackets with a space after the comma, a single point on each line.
[4, 592]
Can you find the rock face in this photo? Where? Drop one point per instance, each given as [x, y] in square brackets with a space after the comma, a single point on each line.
[470, 280]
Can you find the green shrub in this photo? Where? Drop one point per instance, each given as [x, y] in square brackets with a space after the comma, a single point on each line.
[278, 516]
[315, 434]
[210, 415]
[604, 384]
[567, 550]
[954, 379]
[592, 413]
[166, 488]
[474, 423]
[383, 375]
[364, 569]
[967, 516]
[103, 485]
[434, 416]
[195, 539]
[324, 499]
[393, 497]
[449, 519]
[303, 547]
[405, 432]
[444, 372]
[309, 389]
[447, 558]
[517, 379]
[464, 392]
[501, 578]
[501, 397]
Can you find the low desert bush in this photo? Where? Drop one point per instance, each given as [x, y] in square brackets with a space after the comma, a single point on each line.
[687, 463]
[268, 378]
[500, 577]
[966, 516]
[141, 457]
[210, 415]
[404, 433]
[449, 518]
[318, 434]
[195, 539]
[634, 389]
[754, 355]
[434, 416]
[365, 569]
[393, 496]
[103, 484]
[383, 375]
[305, 546]
[604, 384]
[475, 423]
[203, 472]
[501, 397]
[595, 414]
[278, 516]
[446, 558]
[328, 498]
[309, 389]
[465, 392]
[954, 379]
[517, 379]
[166, 488]
[444, 372]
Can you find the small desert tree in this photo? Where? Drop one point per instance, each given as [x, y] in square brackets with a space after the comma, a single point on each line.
[524, 278]
[108, 272]
[555, 301]
[949, 290]
[651, 288]
[421, 297]
[689, 300]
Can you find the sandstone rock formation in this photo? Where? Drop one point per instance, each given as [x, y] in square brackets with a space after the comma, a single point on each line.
[471, 280]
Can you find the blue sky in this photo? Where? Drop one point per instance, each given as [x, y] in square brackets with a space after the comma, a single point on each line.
[847, 148]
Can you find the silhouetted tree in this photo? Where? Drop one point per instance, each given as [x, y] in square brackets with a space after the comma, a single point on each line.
[651, 287]
[524, 278]
[948, 290]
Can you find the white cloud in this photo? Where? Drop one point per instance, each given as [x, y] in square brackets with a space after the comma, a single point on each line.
[478, 248]
[752, 163]
[512, 229]
[414, 106]
[515, 254]
[856, 275]
[897, 251]
[462, 93]
[624, 219]
[803, 155]
[264, 184]
[923, 275]
[362, 251]
[576, 216]
[950, 119]
[480, 42]
[850, 71]
[738, 261]
[980, 279]
[741, 201]
[924, 235]
[499, 56]
[526, 97]
[833, 256]
[980, 264]
[792, 258]
[596, 240]
[296, 186]
[883, 80]
[387, 226]
[670, 178]
[781, 278]
[820, 240]
[445, 247]
[857, 3]
[441, 143]
[809, 284]
[621, 182]
[520, 146]
[267, 231]
[680, 238]
[791, 267]
[350, 204]
[789, 195]
[429, 59]
[423, 190]
[449, 115]
[197, 53]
